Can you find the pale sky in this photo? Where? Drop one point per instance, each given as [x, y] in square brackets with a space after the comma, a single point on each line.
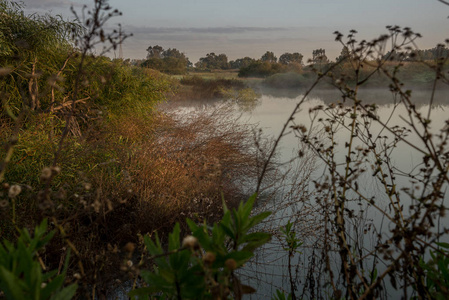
[242, 28]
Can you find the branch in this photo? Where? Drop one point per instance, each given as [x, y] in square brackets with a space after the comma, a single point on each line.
[69, 103]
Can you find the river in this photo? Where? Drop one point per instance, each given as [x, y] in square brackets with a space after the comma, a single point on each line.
[293, 197]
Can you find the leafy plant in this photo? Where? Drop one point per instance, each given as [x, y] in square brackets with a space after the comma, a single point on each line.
[293, 244]
[281, 296]
[203, 266]
[437, 272]
[21, 269]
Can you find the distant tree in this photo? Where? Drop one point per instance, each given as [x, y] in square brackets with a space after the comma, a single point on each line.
[319, 56]
[289, 58]
[261, 69]
[438, 52]
[269, 57]
[154, 52]
[344, 54]
[213, 61]
[170, 61]
[241, 62]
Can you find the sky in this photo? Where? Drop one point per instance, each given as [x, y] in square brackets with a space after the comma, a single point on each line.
[242, 28]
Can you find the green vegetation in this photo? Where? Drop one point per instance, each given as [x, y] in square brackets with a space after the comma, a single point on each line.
[205, 265]
[21, 274]
[86, 147]
[213, 62]
[104, 177]
[169, 61]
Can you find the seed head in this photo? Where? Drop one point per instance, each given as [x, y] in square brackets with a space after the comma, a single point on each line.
[209, 258]
[14, 190]
[46, 174]
[190, 242]
[231, 264]
[55, 170]
[129, 247]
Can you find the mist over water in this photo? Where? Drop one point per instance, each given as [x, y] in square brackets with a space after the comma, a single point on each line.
[273, 112]
[269, 270]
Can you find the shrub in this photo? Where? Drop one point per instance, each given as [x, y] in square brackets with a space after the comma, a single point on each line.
[204, 265]
[21, 268]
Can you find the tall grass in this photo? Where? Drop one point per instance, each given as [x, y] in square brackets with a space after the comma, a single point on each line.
[87, 147]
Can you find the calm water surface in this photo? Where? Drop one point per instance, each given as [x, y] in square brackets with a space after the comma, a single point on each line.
[269, 270]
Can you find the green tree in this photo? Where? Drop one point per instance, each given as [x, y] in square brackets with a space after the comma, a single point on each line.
[213, 61]
[154, 52]
[170, 61]
[34, 45]
[319, 56]
[241, 62]
[289, 58]
[344, 54]
[269, 57]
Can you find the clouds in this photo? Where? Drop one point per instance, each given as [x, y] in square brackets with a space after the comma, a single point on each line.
[51, 4]
[202, 30]
[234, 41]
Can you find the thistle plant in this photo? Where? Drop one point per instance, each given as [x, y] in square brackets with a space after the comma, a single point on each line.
[204, 266]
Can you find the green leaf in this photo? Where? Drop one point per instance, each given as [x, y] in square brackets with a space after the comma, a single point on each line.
[66, 293]
[192, 225]
[443, 245]
[52, 286]
[240, 256]
[248, 206]
[173, 238]
[257, 219]
[374, 275]
[228, 231]
[256, 236]
[11, 285]
[143, 292]
[256, 244]
[223, 202]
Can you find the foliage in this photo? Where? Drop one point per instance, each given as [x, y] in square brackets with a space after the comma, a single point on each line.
[436, 270]
[203, 267]
[269, 57]
[286, 80]
[96, 157]
[289, 58]
[213, 61]
[170, 61]
[364, 258]
[241, 62]
[261, 69]
[208, 89]
[293, 243]
[21, 274]
[281, 296]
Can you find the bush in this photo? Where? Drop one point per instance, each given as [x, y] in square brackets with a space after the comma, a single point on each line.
[21, 274]
[261, 69]
[204, 265]
[286, 81]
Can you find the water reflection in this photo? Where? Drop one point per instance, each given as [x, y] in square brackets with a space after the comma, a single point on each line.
[271, 264]
[295, 198]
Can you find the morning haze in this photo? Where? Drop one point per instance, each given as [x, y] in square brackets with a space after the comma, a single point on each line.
[251, 27]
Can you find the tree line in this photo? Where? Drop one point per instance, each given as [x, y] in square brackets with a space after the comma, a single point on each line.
[173, 61]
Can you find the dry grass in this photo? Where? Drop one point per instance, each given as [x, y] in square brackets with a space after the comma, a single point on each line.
[166, 168]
